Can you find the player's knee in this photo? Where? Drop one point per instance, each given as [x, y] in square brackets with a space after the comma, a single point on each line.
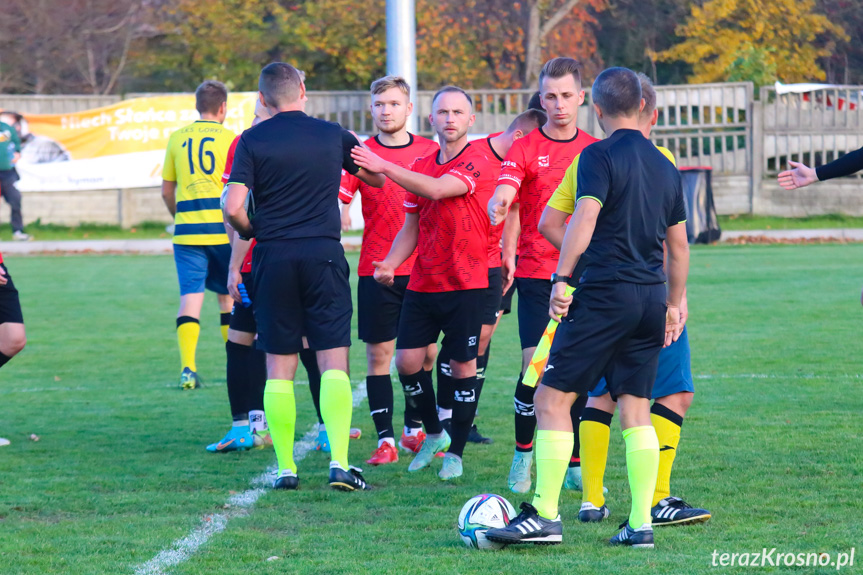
[14, 344]
[603, 403]
[678, 402]
[463, 369]
[378, 357]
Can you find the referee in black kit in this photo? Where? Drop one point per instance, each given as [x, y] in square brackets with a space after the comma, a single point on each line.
[629, 200]
[293, 164]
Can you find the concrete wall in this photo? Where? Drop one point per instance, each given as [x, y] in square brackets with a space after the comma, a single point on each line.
[130, 207]
[126, 208]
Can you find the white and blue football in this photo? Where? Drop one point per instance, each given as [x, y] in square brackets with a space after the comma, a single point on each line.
[481, 513]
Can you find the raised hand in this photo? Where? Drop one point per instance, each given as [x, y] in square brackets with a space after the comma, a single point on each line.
[799, 176]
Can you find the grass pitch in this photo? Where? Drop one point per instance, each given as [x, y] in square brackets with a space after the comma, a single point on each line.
[771, 445]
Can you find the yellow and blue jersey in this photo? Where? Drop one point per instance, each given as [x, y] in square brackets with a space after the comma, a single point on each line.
[563, 198]
[195, 159]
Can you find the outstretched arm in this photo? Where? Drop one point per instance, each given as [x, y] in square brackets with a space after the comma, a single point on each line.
[500, 202]
[446, 186]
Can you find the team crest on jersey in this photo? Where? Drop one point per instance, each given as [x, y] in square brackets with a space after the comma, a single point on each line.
[543, 161]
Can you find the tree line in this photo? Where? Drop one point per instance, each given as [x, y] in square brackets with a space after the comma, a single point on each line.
[121, 46]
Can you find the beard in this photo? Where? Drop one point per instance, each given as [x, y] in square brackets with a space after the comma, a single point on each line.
[394, 127]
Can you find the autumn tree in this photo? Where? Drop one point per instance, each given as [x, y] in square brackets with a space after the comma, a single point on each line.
[844, 65]
[66, 45]
[787, 36]
[196, 39]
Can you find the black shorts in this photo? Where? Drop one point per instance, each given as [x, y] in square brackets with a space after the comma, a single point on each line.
[301, 288]
[379, 308]
[533, 299]
[10, 306]
[615, 330]
[458, 314]
[243, 318]
[506, 300]
[493, 297]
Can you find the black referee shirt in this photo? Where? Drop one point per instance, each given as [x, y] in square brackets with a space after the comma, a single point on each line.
[641, 196]
[294, 162]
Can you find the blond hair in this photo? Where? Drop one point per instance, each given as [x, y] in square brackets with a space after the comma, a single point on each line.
[381, 85]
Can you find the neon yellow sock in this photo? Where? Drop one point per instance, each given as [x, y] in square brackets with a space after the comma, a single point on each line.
[188, 330]
[642, 461]
[593, 452]
[225, 320]
[336, 408]
[553, 450]
[668, 434]
[280, 410]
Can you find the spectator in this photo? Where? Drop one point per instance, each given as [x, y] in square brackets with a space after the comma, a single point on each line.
[10, 152]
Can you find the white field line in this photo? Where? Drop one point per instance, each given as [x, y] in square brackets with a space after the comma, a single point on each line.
[237, 505]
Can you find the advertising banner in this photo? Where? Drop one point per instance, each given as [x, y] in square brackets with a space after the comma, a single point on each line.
[117, 146]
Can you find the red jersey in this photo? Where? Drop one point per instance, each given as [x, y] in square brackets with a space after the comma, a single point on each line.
[229, 163]
[453, 232]
[383, 214]
[534, 166]
[494, 232]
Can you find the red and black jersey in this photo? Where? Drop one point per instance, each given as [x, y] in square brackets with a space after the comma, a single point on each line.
[383, 214]
[247, 261]
[495, 232]
[452, 247]
[534, 166]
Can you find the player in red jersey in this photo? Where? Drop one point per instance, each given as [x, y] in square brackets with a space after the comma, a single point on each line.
[531, 172]
[379, 306]
[13, 338]
[494, 147]
[446, 224]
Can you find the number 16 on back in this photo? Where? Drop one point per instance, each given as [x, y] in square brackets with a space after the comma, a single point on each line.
[540, 356]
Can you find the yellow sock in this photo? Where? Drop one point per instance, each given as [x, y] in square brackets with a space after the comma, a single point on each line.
[553, 450]
[336, 408]
[667, 425]
[225, 320]
[594, 431]
[280, 409]
[642, 460]
[188, 330]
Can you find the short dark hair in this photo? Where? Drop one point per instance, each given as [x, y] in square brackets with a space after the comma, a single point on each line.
[210, 96]
[535, 102]
[560, 67]
[280, 84]
[456, 89]
[527, 121]
[648, 94]
[617, 92]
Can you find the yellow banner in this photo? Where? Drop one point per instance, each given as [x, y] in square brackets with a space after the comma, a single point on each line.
[136, 125]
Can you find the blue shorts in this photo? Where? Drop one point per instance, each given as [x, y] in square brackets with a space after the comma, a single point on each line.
[200, 267]
[674, 374]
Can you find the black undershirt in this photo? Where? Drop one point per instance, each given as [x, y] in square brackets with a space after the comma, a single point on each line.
[845, 166]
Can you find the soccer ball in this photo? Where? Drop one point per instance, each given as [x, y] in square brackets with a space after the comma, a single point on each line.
[481, 513]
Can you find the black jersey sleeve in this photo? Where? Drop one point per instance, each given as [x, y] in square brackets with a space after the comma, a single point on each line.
[594, 175]
[348, 143]
[845, 166]
[678, 210]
